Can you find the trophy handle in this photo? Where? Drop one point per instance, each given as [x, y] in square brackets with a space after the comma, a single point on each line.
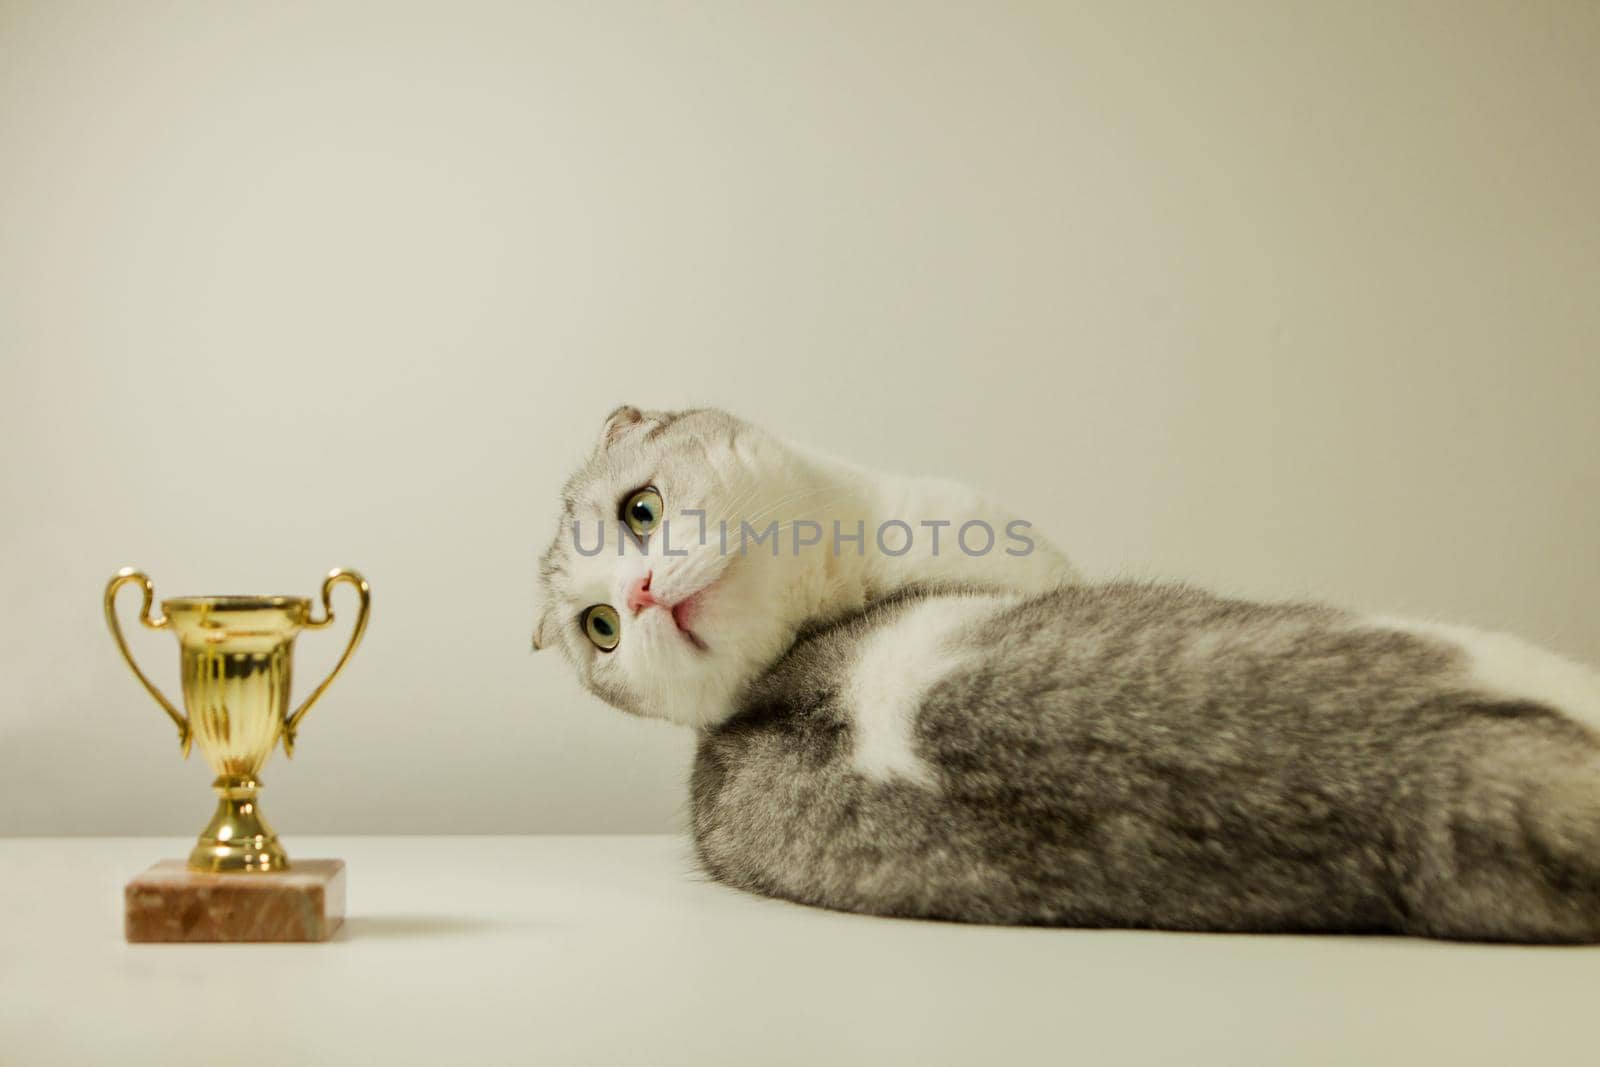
[126, 576]
[335, 576]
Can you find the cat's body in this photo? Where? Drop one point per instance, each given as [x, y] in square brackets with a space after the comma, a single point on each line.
[1036, 751]
[1152, 756]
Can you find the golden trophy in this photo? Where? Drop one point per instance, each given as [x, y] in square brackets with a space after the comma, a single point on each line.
[236, 656]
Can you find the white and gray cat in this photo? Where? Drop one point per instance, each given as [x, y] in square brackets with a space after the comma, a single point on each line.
[979, 737]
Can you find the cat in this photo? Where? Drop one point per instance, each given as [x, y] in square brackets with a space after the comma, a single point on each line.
[986, 740]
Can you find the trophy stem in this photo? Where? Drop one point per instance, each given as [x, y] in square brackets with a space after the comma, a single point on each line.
[237, 838]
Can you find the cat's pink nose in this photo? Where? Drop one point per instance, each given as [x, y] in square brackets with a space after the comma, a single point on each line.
[639, 596]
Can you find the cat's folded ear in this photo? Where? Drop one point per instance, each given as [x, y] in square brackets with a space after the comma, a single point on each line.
[618, 423]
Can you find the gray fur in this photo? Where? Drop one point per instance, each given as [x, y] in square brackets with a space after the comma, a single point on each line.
[1152, 756]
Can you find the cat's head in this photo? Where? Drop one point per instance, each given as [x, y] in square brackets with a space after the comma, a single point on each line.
[658, 614]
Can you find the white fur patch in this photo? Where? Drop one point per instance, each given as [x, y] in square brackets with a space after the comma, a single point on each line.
[1510, 668]
[895, 670]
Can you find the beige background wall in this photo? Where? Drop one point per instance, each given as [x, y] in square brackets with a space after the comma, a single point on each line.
[1286, 298]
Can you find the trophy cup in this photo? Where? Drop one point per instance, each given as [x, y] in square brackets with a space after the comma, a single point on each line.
[236, 654]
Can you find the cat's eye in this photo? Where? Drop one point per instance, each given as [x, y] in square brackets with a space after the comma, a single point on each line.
[642, 510]
[602, 626]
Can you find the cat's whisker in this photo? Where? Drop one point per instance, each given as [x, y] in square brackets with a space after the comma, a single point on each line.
[794, 498]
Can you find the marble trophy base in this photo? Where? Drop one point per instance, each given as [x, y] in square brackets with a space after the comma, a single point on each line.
[169, 902]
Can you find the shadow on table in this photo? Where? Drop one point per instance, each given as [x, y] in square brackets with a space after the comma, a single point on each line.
[404, 927]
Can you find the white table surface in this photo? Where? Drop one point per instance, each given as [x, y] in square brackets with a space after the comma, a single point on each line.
[613, 950]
